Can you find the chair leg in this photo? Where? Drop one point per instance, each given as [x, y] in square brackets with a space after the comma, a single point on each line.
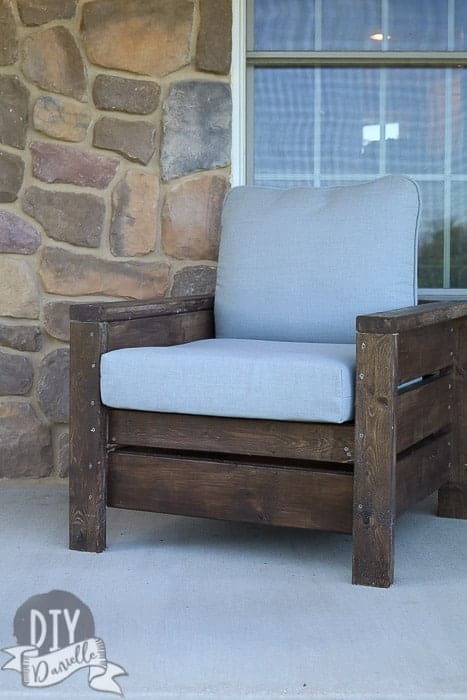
[452, 497]
[375, 461]
[88, 440]
[452, 501]
[88, 499]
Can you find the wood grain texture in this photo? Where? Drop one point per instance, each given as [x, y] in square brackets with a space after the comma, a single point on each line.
[452, 498]
[126, 310]
[400, 320]
[375, 460]
[421, 471]
[425, 350]
[173, 329]
[242, 436]
[231, 490]
[424, 411]
[88, 438]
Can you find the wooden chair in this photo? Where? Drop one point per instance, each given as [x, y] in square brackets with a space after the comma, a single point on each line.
[322, 257]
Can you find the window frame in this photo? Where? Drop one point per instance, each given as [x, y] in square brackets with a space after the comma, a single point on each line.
[245, 59]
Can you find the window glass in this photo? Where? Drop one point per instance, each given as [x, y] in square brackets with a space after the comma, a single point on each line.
[284, 25]
[460, 31]
[283, 126]
[418, 25]
[458, 242]
[415, 101]
[458, 110]
[431, 235]
[351, 26]
[350, 121]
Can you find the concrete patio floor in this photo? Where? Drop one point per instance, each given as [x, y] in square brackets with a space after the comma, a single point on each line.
[203, 609]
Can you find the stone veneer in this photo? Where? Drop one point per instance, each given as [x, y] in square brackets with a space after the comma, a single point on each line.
[114, 160]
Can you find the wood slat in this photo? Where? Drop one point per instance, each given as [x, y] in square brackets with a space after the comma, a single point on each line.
[422, 471]
[423, 351]
[412, 317]
[161, 330]
[265, 438]
[375, 459]
[231, 491]
[423, 411]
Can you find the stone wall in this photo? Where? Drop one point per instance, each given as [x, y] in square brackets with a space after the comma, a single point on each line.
[114, 160]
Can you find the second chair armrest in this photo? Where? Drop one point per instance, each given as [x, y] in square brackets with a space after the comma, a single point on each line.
[411, 317]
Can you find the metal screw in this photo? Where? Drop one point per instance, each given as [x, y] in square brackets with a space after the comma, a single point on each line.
[361, 375]
[360, 506]
[93, 430]
[90, 465]
[93, 365]
[361, 436]
[93, 403]
[451, 330]
[451, 353]
[363, 346]
[92, 334]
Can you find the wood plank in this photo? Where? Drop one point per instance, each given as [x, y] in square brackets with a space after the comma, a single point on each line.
[422, 471]
[173, 329]
[375, 460]
[423, 351]
[452, 498]
[411, 317]
[423, 411]
[230, 490]
[242, 436]
[126, 310]
[88, 438]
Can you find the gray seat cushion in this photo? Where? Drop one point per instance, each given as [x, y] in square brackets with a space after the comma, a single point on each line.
[300, 264]
[236, 378]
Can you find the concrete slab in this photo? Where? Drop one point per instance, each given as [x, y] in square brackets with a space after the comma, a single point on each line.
[198, 609]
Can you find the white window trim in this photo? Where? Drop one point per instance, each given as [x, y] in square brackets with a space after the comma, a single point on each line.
[238, 85]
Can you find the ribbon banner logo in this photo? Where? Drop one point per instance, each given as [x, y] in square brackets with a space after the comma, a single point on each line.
[56, 637]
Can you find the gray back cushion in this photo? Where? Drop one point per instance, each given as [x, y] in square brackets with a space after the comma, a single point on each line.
[300, 264]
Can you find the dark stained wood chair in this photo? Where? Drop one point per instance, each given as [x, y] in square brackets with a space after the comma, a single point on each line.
[407, 438]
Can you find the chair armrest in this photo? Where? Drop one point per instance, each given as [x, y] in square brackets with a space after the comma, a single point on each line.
[129, 310]
[411, 317]
[126, 324]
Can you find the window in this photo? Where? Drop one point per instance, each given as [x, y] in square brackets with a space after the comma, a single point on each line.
[342, 91]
